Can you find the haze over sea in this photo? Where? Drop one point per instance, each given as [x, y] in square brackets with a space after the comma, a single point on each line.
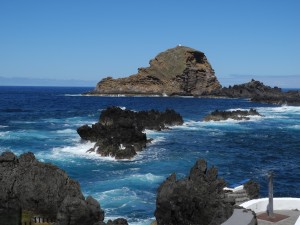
[44, 120]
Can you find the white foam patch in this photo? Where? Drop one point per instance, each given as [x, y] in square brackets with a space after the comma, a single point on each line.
[69, 152]
[149, 177]
[79, 150]
[150, 132]
[116, 197]
[4, 133]
[158, 140]
[66, 131]
[296, 127]
[2, 126]
[281, 109]
[75, 95]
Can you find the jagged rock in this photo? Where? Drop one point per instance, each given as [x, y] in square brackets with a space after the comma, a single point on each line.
[197, 199]
[258, 92]
[247, 90]
[44, 189]
[119, 221]
[176, 71]
[285, 98]
[119, 133]
[252, 189]
[236, 115]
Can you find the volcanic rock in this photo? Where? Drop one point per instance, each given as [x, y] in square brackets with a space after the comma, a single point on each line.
[285, 98]
[235, 115]
[247, 90]
[176, 71]
[258, 92]
[44, 189]
[197, 199]
[119, 133]
[252, 189]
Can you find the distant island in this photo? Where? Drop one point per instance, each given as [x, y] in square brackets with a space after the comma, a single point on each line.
[184, 71]
[176, 71]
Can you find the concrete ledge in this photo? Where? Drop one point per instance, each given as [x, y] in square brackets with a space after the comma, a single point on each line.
[298, 221]
[261, 205]
[241, 217]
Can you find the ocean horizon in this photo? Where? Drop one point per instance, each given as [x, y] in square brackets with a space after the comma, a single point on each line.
[44, 120]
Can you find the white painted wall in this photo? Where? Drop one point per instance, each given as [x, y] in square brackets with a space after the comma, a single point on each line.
[260, 205]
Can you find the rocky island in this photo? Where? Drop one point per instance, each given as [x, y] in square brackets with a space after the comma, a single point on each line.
[184, 71]
[119, 133]
[258, 92]
[235, 115]
[176, 71]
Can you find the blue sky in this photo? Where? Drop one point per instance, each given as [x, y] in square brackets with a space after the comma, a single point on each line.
[89, 40]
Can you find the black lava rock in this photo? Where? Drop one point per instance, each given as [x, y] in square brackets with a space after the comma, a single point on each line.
[45, 190]
[198, 199]
[119, 133]
[236, 115]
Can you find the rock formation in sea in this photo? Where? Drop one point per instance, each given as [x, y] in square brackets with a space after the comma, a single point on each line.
[44, 190]
[199, 198]
[247, 90]
[176, 71]
[284, 98]
[235, 115]
[258, 92]
[196, 199]
[119, 133]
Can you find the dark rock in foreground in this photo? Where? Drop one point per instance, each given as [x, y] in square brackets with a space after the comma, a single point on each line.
[236, 115]
[176, 71]
[119, 133]
[197, 199]
[252, 189]
[44, 190]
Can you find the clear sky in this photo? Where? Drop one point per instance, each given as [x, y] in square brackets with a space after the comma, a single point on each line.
[88, 40]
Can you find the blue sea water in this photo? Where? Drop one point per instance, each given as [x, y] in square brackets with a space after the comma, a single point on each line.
[44, 120]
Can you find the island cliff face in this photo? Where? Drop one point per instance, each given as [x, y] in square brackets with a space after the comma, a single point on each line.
[176, 71]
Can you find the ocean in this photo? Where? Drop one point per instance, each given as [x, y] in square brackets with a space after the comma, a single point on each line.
[44, 120]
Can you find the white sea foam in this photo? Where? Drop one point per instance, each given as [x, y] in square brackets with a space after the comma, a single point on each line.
[66, 131]
[158, 140]
[296, 127]
[281, 109]
[2, 126]
[149, 177]
[75, 95]
[4, 133]
[78, 150]
[69, 152]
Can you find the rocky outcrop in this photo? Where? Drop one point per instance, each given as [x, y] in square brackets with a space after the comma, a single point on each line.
[258, 92]
[119, 221]
[119, 133]
[176, 71]
[197, 199]
[247, 90]
[252, 189]
[235, 115]
[285, 98]
[44, 189]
